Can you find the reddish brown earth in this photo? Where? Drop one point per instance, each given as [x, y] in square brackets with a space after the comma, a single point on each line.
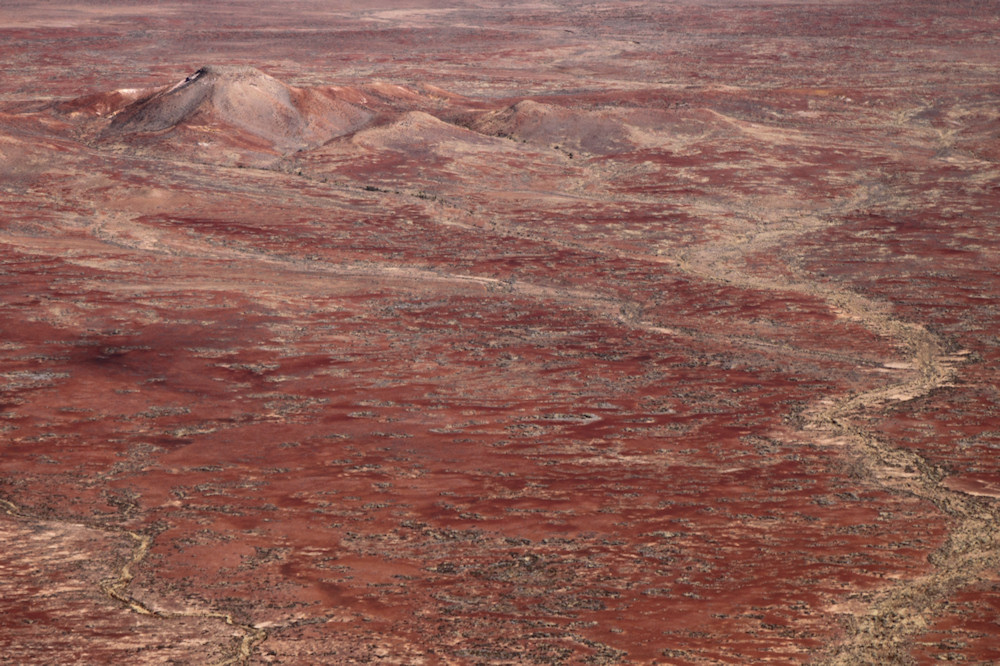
[637, 332]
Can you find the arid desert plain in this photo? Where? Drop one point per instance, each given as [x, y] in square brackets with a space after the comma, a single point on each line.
[527, 332]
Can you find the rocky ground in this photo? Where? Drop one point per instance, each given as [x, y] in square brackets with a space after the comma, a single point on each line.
[633, 332]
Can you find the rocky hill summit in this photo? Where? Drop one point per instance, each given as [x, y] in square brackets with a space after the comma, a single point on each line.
[247, 104]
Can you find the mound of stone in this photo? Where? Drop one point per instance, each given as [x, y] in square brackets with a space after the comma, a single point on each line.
[237, 104]
[551, 125]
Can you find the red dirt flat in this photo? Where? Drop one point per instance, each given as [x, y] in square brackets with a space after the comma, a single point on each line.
[632, 332]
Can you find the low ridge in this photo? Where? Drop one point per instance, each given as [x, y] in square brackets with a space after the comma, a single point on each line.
[546, 124]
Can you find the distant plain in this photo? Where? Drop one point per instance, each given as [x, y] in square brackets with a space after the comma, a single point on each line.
[536, 332]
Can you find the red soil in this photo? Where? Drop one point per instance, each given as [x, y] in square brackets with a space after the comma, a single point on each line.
[678, 348]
